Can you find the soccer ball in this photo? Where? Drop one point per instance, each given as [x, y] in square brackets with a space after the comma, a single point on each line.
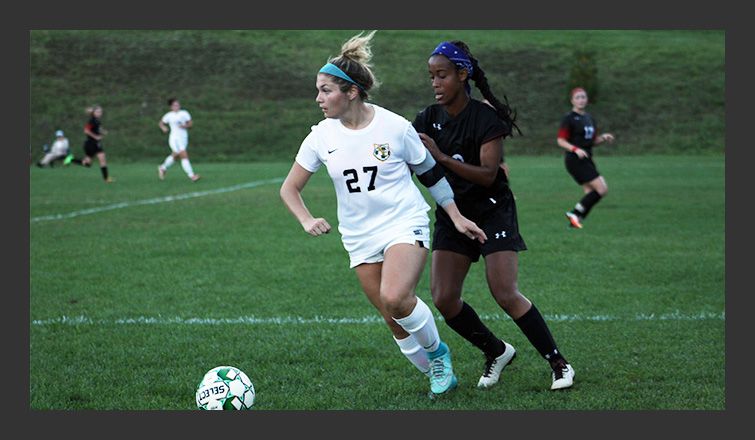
[225, 388]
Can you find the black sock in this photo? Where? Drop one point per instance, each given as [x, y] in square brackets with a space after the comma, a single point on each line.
[104, 172]
[586, 204]
[468, 324]
[536, 330]
[78, 161]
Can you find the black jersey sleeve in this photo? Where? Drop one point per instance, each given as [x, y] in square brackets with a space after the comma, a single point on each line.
[564, 128]
[420, 122]
[490, 126]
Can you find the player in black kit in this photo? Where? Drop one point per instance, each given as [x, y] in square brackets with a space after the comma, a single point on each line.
[466, 136]
[93, 143]
[577, 135]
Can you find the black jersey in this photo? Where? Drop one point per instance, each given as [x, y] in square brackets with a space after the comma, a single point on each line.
[94, 125]
[461, 138]
[579, 130]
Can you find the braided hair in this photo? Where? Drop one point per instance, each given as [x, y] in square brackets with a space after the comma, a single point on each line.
[481, 82]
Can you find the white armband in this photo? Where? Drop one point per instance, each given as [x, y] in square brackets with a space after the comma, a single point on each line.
[442, 192]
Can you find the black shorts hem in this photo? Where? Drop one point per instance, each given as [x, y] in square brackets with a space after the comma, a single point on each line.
[581, 170]
[501, 227]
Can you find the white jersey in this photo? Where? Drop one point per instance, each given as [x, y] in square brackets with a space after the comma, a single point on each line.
[374, 188]
[60, 146]
[172, 119]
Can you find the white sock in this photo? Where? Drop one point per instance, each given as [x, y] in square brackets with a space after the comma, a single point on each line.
[421, 325]
[168, 162]
[187, 167]
[414, 352]
[579, 208]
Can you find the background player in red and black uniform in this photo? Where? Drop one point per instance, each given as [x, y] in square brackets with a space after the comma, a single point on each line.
[93, 142]
[577, 134]
[466, 136]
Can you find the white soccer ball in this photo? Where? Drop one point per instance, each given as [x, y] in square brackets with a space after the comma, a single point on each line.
[225, 387]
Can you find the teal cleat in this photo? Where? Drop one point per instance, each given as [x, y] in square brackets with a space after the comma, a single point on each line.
[442, 378]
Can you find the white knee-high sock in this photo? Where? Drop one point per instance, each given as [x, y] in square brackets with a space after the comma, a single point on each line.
[187, 167]
[168, 162]
[414, 352]
[421, 325]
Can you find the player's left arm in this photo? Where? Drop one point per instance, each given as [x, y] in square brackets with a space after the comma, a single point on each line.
[431, 175]
[605, 137]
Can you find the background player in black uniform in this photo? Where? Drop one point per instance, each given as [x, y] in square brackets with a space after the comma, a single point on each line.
[93, 142]
[466, 137]
[577, 135]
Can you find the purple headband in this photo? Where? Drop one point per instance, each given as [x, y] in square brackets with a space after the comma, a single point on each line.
[458, 56]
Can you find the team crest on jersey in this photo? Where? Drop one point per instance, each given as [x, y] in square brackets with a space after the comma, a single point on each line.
[382, 152]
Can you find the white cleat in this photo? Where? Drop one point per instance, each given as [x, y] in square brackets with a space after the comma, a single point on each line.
[494, 366]
[574, 220]
[563, 377]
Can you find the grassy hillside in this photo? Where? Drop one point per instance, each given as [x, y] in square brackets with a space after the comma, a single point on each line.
[251, 93]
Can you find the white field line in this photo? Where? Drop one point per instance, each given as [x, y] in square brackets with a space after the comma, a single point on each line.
[154, 201]
[252, 320]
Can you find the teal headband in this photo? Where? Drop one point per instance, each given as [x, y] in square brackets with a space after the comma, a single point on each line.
[332, 69]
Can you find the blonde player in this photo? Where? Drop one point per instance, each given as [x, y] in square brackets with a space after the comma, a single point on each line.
[180, 122]
[370, 153]
[93, 143]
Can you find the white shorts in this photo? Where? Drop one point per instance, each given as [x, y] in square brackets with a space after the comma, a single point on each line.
[177, 144]
[412, 235]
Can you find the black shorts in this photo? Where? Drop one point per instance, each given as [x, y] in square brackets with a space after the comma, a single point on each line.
[582, 170]
[500, 225]
[91, 148]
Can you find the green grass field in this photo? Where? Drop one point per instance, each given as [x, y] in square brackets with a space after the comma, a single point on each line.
[138, 287]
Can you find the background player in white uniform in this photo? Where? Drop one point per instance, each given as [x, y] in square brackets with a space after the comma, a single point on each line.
[382, 215]
[59, 150]
[180, 122]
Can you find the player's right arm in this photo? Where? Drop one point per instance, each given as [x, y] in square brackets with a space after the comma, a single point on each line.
[563, 142]
[88, 131]
[162, 126]
[290, 194]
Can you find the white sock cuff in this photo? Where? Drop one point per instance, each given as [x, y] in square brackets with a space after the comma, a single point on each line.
[408, 345]
[168, 162]
[186, 164]
[417, 319]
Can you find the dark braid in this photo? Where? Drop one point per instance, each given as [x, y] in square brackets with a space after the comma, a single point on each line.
[481, 82]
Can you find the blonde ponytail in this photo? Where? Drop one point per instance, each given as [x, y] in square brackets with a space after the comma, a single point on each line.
[355, 61]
